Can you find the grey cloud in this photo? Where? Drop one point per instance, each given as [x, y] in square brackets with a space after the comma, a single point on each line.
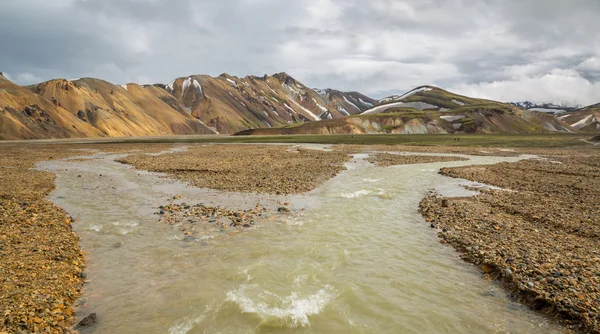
[177, 11]
[376, 47]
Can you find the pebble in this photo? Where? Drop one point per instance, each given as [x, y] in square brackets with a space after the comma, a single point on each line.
[544, 232]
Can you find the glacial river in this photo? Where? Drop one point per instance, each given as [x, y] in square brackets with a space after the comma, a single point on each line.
[356, 257]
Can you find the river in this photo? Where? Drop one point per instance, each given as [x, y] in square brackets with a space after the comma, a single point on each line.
[355, 257]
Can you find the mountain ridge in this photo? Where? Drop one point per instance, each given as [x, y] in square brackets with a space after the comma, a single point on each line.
[429, 109]
[226, 104]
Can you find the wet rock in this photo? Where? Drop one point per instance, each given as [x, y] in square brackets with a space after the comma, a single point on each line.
[91, 319]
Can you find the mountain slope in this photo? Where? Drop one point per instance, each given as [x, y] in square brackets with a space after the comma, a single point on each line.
[348, 103]
[128, 110]
[428, 109]
[25, 115]
[585, 119]
[231, 104]
[197, 104]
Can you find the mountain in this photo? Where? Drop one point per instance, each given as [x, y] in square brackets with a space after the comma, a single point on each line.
[115, 111]
[523, 104]
[550, 108]
[429, 109]
[201, 104]
[230, 104]
[348, 103]
[585, 119]
[197, 104]
[26, 115]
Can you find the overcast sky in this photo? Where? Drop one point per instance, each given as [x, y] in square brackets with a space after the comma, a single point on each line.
[540, 50]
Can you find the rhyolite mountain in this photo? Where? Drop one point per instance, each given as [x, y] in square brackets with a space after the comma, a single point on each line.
[26, 115]
[197, 104]
[586, 119]
[201, 104]
[230, 104]
[429, 109]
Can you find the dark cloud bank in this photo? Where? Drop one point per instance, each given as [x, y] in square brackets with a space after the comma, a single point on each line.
[501, 49]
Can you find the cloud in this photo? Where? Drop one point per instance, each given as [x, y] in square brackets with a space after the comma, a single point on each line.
[567, 87]
[27, 78]
[506, 50]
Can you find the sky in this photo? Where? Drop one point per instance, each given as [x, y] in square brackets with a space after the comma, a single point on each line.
[506, 50]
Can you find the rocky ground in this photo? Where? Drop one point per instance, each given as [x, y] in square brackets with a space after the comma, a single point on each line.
[42, 266]
[194, 219]
[540, 238]
[272, 169]
[387, 159]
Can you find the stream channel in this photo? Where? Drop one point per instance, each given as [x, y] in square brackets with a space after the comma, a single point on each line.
[354, 257]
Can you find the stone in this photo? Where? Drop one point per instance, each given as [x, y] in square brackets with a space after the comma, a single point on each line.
[87, 321]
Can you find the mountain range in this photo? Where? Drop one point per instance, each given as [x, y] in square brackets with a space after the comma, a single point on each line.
[201, 104]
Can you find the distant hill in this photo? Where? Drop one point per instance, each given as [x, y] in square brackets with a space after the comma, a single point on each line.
[230, 104]
[128, 110]
[197, 104]
[549, 108]
[26, 115]
[429, 109]
[586, 119]
[348, 103]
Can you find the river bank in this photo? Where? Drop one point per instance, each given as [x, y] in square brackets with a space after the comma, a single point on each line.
[43, 266]
[540, 237]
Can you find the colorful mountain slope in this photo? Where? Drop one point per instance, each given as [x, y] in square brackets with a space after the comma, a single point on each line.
[128, 110]
[25, 115]
[231, 104]
[585, 119]
[428, 109]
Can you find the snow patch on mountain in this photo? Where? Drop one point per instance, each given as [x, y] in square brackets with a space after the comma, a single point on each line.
[289, 108]
[550, 127]
[548, 110]
[233, 83]
[322, 92]
[452, 118]
[315, 117]
[350, 103]
[320, 106]
[365, 103]
[171, 84]
[584, 122]
[186, 84]
[198, 86]
[414, 105]
[343, 110]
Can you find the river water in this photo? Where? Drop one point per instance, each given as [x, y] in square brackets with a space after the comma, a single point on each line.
[355, 257]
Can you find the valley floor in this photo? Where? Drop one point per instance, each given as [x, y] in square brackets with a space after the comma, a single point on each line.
[540, 240]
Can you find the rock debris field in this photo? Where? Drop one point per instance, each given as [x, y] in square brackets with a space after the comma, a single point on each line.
[540, 237]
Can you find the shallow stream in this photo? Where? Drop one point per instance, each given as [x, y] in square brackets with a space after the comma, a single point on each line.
[356, 257]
